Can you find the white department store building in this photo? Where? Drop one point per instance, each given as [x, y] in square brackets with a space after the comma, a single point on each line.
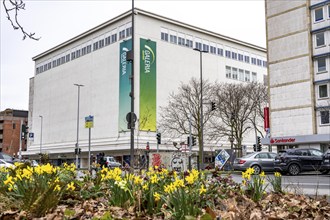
[298, 42]
[97, 60]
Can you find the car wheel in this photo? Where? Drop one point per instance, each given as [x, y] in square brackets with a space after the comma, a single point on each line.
[294, 169]
[257, 169]
[325, 171]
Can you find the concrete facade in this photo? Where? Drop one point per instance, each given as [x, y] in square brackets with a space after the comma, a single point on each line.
[54, 96]
[294, 78]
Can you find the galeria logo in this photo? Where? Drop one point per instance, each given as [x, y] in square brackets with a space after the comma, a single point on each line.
[282, 140]
[148, 56]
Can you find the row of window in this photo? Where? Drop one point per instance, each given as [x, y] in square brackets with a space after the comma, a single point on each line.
[240, 74]
[122, 32]
[213, 48]
[321, 13]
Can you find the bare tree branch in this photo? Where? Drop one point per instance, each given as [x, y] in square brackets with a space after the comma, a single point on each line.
[13, 6]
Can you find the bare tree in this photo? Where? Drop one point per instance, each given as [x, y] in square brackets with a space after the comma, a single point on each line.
[13, 7]
[175, 116]
[260, 95]
[235, 105]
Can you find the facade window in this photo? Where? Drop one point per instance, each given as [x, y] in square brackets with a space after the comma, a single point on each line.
[264, 63]
[83, 51]
[189, 43]
[259, 62]
[89, 48]
[318, 14]
[321, 64]
[67, 58]
[62, 60]
[254, 61]
[107, 41]
[228, 54]
[49, 65]
[181, 41]
[77, 53]
[240, 57]
[247, 76]
[234, 73]
[220, 51]
[101, 43]
[128, 31]
[254, 77]
[73, 55]
[173, 39]
[325, 117]
[113, 38]
[95, 46]
[205, 47]
[164, 36]
[122, 34]
[234, 55]
[58, 62]
[213, 50]
[54, 63]
[241, 75]
[247, 59]
[228, 72]
[323, 91]
[320, 39]
[198, 45]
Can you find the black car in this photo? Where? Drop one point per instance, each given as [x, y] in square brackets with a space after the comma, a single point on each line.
[297, 160]
[325, 165]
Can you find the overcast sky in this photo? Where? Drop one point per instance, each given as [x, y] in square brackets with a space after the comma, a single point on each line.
[56, 21]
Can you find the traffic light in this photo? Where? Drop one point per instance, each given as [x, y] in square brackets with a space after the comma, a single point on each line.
[254, 147]
[77, 151]
[258, 144]
[213, 106]
[159, 138]
[188, 140]
[193, 141]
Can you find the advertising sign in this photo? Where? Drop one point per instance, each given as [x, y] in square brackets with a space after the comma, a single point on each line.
[147, 85]
[89, 121]
[221, 159]
[125, 69]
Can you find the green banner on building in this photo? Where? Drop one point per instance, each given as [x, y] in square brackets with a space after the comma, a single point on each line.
[125, 69]
[147, 119]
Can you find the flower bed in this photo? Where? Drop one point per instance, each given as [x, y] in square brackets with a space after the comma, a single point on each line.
[56, 193]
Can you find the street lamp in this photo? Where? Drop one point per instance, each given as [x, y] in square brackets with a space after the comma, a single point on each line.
[201, 108]
[41, 121]
[77, 144]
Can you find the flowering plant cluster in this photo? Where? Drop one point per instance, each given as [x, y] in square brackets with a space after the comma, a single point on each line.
[255, 184]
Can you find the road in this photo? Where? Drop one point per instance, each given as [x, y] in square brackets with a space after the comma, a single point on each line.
[308, 184]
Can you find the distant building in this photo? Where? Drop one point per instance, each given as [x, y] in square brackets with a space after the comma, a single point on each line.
[11, 121]
[164, 58]
[298, 39]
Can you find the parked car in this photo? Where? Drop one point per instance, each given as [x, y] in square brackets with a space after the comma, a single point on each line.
[297, 160]
[259, 161]
[6, 164]
[325, 165]
[6, 157]
[111, 162]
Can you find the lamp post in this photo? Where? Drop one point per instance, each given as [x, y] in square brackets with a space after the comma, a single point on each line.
[232, 133]
[201, 154]
[77, 144]
[41, 121]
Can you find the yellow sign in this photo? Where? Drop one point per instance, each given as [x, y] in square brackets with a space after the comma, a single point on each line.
[89, 124]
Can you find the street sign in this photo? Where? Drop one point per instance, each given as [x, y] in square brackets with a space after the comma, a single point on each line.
[221, 159]
[31, 136]
[89, 121]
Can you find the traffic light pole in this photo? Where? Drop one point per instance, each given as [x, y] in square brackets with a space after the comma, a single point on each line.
[20, 141]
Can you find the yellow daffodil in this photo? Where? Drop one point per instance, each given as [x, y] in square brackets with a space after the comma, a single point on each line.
[58, 188]
[9, 180]
[157, 196]
[137, 180]
[277, 174]
[71, 186]
[154, 179]
[262, 174]
[190, 179]
[178, 183]
[145, 186]
[202, 189]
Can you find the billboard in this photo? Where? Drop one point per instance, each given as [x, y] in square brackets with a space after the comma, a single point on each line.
[147, 85]
[125, 70]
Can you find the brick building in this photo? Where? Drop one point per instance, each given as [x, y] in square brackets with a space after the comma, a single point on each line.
[11, 121]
